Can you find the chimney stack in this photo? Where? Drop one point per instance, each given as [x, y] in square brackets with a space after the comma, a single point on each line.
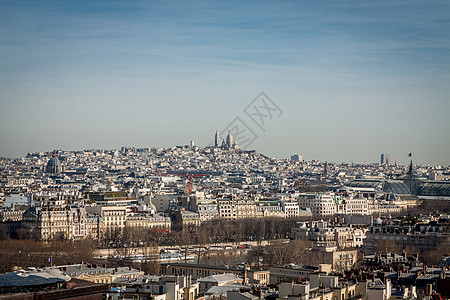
[429, 289]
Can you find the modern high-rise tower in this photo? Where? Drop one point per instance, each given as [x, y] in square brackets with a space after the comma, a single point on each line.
[325, 170]
[385, 159]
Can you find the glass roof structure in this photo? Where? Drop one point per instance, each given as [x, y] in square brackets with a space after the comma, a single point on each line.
[396, 187]
[435, 188]
[365, 183]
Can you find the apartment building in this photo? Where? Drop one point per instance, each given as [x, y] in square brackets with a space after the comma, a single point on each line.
[425, 235]
[245, 208]
[326, 236]
[320, 204]
[207, 209]
[290, 208]
[48, 223]
[227, 209]
[269, 209]
[113, 217]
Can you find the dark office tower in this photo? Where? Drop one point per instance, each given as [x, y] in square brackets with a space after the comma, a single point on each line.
[385, 159]
[325, 170]
[388, 159]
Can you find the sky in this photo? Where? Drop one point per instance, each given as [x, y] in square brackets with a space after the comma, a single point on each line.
[352, 79]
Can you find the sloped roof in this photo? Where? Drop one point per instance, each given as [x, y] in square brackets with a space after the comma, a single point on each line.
[396, 187]
[365, 183]
[32, 278]
[222, 290]
[435, 188]
[220, 278]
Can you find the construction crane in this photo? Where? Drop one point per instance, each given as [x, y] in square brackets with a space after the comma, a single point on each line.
[189, 186]
[181, 174]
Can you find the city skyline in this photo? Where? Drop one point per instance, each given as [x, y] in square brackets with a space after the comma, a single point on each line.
[353, 79]
[225, 146]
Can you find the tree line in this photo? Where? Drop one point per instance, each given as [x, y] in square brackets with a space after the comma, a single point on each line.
[20, 254]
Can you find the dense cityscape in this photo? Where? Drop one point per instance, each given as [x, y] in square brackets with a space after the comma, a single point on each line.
[224, 150]
[213, 222]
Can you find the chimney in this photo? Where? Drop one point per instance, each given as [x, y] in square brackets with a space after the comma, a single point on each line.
[429, 289]
[129, 268]
[425, 267]
[383, 277]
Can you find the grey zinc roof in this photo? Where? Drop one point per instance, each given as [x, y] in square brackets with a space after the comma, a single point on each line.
[428, 277]
[32, 278]
[220, 278]
[75, 270]
[220, 290]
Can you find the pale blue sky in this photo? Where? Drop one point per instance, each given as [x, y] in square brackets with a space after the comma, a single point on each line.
[353, 78]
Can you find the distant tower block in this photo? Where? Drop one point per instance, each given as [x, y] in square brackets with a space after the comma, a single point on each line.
[296, 157]
[325, 170]
[192, 144]
[217, 139]
[385, 159]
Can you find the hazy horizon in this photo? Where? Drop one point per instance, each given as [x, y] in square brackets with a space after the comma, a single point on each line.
[375, 161]
[353, 79]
